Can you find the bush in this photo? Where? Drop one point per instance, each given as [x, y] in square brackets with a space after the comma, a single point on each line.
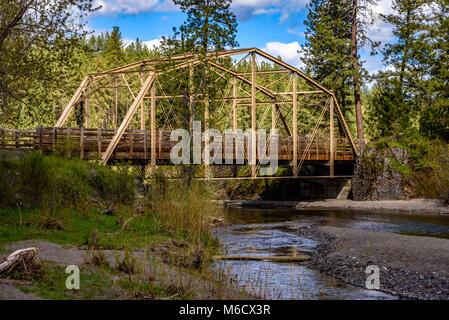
[44, 181]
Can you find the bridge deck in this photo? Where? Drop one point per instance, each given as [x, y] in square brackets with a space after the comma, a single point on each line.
[88, 143]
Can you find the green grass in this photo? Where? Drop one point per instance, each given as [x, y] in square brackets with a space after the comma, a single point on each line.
[76, 228]
[94, 284]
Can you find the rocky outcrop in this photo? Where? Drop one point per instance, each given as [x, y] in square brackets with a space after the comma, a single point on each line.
[381, 175]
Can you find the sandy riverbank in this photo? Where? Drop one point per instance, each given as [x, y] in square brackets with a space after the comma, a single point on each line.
[414, 205]
[403, 206]
[410, 266]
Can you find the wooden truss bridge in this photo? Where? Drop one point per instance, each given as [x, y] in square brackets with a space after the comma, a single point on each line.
[128, 113]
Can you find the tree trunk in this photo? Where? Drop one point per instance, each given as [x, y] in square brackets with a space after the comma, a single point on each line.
[24, 257]
[355, 67]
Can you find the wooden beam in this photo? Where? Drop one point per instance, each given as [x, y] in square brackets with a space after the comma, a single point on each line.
[234, 103]
[99, 142]
[68, 109]
[142, 111]
[125, 123]
[253, 117]
[87, 112]
[265, 72]
[331, 139]
[82, 143]
[295, 125]
[206, 127]
[153, 125]
[269, 178]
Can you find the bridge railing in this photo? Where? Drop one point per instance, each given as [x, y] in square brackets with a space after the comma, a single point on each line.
[88, 143]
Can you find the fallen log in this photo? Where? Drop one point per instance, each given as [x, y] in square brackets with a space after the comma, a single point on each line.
[261, 258]
[25, 258]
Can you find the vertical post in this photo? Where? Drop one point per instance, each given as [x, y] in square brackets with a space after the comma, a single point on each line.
[234, 124]
[81, 143]
[68, 142]
[145, 148]
[115, 150]
[273, 116]
[234, 103]
[153, 125]
[16, 139]
[87, 112]
[55, 138]
[142, 110]
[295, 125]
[253, 117]
[191, 89]
[41, 147]
[331, 139]
[131, 143]
[99, 143]
[115, 105]
[206, 127]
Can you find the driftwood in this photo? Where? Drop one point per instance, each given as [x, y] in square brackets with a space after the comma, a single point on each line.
[271, 258]
[21, 258]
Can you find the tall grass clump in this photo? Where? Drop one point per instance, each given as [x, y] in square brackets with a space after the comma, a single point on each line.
[185, 211]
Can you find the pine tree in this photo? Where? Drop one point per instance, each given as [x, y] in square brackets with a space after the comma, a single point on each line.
[434, 121]
[327, 49]
[114, 48]
[404, 55]
[210, 24]
[336, 30]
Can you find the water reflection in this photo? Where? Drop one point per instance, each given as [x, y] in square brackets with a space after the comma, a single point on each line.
[274, 233]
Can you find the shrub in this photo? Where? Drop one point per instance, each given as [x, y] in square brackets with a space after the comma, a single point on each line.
[44, 181]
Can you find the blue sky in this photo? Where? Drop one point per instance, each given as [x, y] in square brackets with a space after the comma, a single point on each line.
[272, 25]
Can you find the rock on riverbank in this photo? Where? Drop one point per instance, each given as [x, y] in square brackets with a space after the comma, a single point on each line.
[378, 175]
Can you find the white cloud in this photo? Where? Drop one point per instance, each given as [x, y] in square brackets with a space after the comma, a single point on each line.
[151, 44]
[382, 32]
[114, 7]
[244, 9]
[287, 51]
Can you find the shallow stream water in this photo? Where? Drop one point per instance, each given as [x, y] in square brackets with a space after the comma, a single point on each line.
[275, 233]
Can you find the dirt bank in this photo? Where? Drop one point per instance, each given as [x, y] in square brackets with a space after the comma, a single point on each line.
[415, 205]
[410, 266]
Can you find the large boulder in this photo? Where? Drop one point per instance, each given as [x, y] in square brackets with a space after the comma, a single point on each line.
[380, 174]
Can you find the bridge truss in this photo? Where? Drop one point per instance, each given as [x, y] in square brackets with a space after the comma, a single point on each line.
[250, 89]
